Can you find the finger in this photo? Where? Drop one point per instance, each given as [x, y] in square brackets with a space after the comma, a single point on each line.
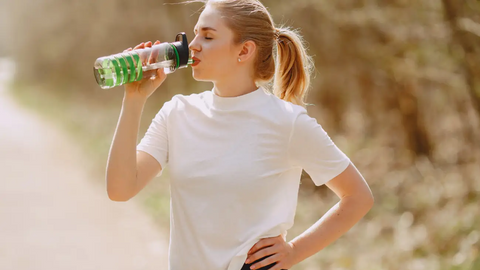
[161, 73]
[144, 54]
[264, 242]
[266, 261]
[278, 266]
[160, 76]
[139, 46]
[149, 74]
[147, 57]
[259, 255]
[154, 54]
[158, 80]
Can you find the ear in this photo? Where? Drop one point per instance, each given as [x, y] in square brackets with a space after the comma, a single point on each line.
[247, 51]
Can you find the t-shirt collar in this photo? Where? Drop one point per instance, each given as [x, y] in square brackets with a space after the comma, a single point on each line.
[242, 101]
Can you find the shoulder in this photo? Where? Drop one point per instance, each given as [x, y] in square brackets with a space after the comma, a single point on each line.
[291, 116]
[286, 109]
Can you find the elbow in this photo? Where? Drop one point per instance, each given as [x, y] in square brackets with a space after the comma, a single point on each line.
[365, 198]
[117, 198]
[364, 202]
[369, 201]
[116, 195]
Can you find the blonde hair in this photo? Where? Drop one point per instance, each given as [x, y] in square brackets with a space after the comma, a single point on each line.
[287, 63]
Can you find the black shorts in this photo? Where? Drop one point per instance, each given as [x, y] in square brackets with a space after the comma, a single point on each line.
[266, 267]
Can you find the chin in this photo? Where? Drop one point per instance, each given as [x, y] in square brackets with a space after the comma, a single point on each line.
[198, 76]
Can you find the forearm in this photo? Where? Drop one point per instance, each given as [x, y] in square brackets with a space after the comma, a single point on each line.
[121, 164]
[336, 222]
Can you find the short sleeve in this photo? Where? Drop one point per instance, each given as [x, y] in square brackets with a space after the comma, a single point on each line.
[312, 149]
[155, 141]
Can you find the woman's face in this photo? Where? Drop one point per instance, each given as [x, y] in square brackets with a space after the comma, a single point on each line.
[213, 46]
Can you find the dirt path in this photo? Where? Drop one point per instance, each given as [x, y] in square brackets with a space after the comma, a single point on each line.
[52, 215]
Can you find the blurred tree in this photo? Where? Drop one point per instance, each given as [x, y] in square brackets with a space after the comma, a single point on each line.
[464, 19]
[4, 27]
[387, 88]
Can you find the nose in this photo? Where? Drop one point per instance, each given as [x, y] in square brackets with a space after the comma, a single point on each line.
[194, 46]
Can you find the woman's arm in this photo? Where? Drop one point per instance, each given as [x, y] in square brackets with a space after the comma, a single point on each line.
[356, 200]
[128, 170]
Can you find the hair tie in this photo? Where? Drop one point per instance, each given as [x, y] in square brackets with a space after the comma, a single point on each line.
[276, 35]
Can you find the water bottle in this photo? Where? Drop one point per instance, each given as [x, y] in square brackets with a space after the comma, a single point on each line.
[118, 69]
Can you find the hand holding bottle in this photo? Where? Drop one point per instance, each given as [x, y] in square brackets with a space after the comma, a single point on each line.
[143, 68]
[151, 79]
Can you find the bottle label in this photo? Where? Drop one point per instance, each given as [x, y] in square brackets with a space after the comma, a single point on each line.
[139, 67]
[122, 68]
[132, 74]
[123, 65]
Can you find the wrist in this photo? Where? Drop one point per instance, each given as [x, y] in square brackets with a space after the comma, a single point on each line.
[294, 253]
[134, 99]
[133, 106]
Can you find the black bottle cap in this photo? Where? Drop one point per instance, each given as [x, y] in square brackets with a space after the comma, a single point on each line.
[181, 44]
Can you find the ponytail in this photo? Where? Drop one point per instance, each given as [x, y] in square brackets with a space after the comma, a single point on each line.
[293, 67]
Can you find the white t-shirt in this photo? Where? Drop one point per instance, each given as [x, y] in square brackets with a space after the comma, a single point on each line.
[235, 165]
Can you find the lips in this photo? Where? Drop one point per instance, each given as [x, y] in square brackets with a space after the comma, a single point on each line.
[196, 61]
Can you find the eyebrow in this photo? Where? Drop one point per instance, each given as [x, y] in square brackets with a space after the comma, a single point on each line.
[205, 29]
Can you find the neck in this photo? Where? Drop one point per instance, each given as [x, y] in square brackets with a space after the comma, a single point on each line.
[234, 86]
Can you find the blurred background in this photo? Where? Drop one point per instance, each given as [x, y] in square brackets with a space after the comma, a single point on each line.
[397, 87]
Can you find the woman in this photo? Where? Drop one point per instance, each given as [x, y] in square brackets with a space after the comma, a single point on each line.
[236, 152]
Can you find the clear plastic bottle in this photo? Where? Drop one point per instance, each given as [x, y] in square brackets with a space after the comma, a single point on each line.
[118, 69]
